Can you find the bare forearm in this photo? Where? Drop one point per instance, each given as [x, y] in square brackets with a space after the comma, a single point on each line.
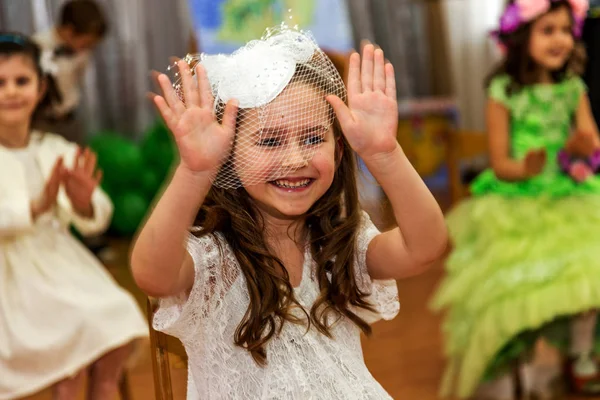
[417, 213]
[510, 170]
[159, 250]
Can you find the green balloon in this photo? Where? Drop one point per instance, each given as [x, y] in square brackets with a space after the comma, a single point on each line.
[149, 183]
[100, 139]
[119, 158]
[160, 132]
[130, 210]
[158, 150]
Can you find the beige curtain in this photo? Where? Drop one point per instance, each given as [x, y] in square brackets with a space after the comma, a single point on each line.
[400, 27]
[472, 54]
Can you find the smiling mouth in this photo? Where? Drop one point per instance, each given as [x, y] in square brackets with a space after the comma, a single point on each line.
[13, 106]
[556, 53]
[292, 183]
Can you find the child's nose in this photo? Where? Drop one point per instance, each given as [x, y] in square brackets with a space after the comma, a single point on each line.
[11, 88]
[297, 157]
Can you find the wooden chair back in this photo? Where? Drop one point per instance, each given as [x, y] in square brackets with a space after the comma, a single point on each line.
[161, 345]
[462, 147]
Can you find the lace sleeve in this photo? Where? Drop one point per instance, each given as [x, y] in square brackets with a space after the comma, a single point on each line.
[182, 315]
[383, 293]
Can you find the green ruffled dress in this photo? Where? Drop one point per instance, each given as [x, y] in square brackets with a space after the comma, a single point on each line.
[526, 254]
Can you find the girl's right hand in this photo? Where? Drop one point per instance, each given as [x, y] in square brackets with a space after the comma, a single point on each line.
[47, 198]
[534, 163]
[202, 141]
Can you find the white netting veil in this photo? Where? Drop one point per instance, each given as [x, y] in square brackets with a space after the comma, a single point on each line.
[280, 82]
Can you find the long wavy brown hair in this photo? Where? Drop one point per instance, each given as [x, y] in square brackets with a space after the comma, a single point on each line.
[332, 223]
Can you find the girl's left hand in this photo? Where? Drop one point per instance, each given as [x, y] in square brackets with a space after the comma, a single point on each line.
[81, 181]
[370, 120]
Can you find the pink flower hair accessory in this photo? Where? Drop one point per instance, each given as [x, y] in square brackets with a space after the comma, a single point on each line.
[523, 11]
[580, 8]
[530, 9]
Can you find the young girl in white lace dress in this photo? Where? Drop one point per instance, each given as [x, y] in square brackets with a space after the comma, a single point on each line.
[270, 291]
[62, 316]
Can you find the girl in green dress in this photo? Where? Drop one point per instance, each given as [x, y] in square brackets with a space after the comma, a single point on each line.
[524, 273]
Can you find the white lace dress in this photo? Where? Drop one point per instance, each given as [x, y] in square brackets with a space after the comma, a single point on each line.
[301, 365]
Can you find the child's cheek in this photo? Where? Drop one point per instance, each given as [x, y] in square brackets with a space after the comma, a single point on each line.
[324, 161]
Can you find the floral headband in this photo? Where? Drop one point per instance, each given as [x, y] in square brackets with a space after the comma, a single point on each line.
[523, 11]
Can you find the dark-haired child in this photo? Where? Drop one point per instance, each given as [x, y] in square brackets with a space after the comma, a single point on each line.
[522, 280]
[81, 27]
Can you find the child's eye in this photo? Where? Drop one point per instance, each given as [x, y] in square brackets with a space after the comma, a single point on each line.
[548, 30]
[269, 142]
[2, 82]
[22, 81]
[313, 140]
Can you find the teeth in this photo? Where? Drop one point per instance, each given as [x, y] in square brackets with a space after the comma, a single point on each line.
[291, 185]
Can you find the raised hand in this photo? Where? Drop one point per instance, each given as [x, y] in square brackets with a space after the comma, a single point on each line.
[47, 198]
[535, 161]
[202, 141]
[81, 181]
[370, 120]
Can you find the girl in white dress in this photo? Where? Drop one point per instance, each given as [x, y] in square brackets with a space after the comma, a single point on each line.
[271, 290]
[61, 313]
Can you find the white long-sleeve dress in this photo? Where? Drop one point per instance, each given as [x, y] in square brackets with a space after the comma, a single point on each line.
[302, 365]
[60, 309]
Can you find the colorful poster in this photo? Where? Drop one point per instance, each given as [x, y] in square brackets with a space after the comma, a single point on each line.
[224, 25]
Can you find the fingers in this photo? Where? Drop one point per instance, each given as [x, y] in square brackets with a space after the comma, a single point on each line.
[364, 43]
[366, 75]
[206, 96]
[85, 161]
[354, 86]
[164, 84]
[230, 116]
[79, 178]
[174, 102]
[165, 112]
[53, 183]
[151, 95]
[90, 160]
[390, 81]
[374, 72]
[379, 75]
[84, 169]
[57, 171]
[535, 153]
[154, 75]
[190, 90]
[98, 176]
[535, 160]
[342, 111]
[77, 161]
